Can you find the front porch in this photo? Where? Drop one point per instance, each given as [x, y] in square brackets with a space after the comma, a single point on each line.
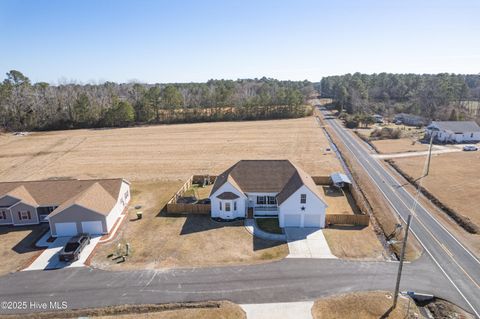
[265, 211]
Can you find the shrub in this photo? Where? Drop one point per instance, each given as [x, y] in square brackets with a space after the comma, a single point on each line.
[385, 133]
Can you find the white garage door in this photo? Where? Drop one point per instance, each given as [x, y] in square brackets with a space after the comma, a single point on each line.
[66, 229]
[292, 220]
[311, 220]
[92, 228]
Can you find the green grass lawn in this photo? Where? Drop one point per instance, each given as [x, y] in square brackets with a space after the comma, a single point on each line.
[270, 225]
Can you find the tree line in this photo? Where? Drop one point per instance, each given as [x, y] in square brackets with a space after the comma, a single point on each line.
[41, 106]
[441, 96]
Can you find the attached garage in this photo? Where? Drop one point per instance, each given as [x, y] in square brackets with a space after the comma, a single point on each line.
[293, 220]
[89, 213]
[92, 228]
[66, 229]
[311, 220]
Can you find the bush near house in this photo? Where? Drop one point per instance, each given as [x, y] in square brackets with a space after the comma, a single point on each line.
[385, 133]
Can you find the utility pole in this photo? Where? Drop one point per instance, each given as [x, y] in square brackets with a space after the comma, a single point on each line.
[400, 265]
[429, 155]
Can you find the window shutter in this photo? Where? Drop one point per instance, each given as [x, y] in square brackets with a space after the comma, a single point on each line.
[29, 216]
[19, 216]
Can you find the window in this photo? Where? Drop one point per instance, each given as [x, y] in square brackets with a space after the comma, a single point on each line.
[303, 198]
[3, 215]
[261, 200]
[126, 195]
[220, 205]
[471, 135]
[235, 206]
[227, 207]
[271, 200]
[24, 215]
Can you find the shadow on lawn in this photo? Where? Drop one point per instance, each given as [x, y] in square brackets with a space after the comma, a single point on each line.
[347, 227]
[27, 244]
[199, 223]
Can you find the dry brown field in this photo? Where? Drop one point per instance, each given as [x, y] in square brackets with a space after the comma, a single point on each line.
[163, 152]
[364, 305]
[453, 179]
[400, 145]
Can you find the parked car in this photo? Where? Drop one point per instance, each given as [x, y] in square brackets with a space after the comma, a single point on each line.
[72, 250]
[467, 148]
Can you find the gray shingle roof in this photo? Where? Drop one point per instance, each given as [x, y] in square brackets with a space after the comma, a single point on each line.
[266, 176]
[457, 126]
[228, 195]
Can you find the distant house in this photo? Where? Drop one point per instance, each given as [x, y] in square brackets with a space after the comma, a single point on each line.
[268, 188]
[453, 131]
[410, 119]
[69, 206]
[378, 118]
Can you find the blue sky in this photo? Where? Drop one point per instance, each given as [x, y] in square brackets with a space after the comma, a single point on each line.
[188, 41]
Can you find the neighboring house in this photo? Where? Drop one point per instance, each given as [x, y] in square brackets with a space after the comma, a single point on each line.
[453, 131]
[410, 119]
[268, 188]
[69, 206]
[378, 118]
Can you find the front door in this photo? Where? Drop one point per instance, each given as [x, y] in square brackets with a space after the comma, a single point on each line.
[228, 210]
[250, 212]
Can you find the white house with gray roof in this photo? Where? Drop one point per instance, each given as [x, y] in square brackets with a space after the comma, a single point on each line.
[268, 188]
[454, 131]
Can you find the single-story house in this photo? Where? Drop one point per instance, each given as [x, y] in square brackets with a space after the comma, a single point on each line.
[268, 188]
[410, 119]
[69, 206]
[453, 131]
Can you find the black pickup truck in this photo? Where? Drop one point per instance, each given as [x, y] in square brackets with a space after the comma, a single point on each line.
[74, 247]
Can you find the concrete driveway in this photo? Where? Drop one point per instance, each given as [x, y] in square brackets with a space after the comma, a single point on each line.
[49, 258]
[307, 243]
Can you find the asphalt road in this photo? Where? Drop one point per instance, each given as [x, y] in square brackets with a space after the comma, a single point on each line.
[284, 281]
[458, 265]
[439, 272]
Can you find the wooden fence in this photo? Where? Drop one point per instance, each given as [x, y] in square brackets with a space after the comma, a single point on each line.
[321, 180]
[181, 191]
[200, 209]
[339, 219]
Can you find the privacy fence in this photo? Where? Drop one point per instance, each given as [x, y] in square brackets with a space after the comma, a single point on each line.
[339, 219]
[174, 207]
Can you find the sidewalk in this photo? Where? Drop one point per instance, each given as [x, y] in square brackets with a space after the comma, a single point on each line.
[286, 310]
[253, 229]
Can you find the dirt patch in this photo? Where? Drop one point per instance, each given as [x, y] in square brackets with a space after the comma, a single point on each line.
[443, 309]
[210, 309]
[165, 241]
[364, 305]
[401, 145]
[18, 248]
[164, 152]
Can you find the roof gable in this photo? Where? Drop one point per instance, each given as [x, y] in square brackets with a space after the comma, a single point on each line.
[457, 126]
[22, 194]
[56, 192]
[94, 198]
[266, 176]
